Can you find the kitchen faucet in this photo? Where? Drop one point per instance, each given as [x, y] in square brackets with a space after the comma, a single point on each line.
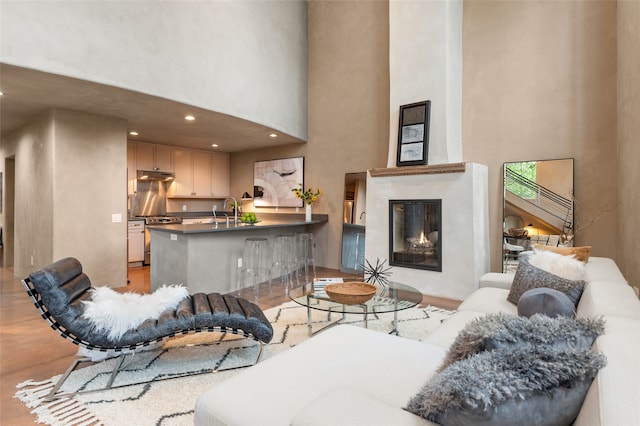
[235, 209]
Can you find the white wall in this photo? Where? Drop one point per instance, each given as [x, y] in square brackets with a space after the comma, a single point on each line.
[425, 63]
[243, 58]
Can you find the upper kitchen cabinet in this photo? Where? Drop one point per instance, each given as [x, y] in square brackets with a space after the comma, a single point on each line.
[153, 157]
[199, 174]
[220, 174]
[131, 169]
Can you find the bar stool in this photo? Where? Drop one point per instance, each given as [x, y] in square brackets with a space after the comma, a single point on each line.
[305, 255]
[256, 265]
[284, 256]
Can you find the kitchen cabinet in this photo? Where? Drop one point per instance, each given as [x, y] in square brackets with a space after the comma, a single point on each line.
[131, 169]
[153, 157]
[182, 186]
[135, 240]
[199, 174]
[220, 173]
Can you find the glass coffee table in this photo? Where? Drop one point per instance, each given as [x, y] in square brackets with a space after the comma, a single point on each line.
[392, 297]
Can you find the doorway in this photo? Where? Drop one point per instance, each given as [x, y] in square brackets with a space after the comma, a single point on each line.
[354, 221]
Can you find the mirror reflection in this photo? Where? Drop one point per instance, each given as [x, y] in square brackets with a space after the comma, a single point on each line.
[537, 208]
[354, 220]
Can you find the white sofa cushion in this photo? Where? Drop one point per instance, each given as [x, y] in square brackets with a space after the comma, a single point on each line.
[497, 280]
[447, 332]
[614, 395]
[489, 300]
[608, 298]
[385, 367]
[602, 269]
[350, 408]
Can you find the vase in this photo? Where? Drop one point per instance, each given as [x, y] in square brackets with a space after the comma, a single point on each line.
[307, 212]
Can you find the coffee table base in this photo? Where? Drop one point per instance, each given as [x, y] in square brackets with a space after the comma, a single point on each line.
[344, 315]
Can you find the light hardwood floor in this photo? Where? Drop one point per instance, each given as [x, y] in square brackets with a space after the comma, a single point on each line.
[29, 349]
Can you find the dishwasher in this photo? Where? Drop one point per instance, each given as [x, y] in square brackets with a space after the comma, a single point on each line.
[135, 242]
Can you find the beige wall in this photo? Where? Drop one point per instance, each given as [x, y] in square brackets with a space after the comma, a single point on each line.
[628, 137]
[70, 177]
[539, 82]
[348, 109]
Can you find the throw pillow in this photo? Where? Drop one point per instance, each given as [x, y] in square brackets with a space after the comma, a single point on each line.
[510, 386]
[528, 276]
[502, 330]
[116, 313]
[564, 266]
[546, 301]
[580, 253]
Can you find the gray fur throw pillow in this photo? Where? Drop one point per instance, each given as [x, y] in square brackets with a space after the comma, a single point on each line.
[501, 330]
[510, 386]
[528, 276]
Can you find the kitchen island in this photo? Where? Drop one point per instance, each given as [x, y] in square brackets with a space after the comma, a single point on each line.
[207, 257]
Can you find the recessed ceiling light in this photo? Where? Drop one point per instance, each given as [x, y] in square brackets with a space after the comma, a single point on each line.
[189, 118]
[1, 93]
[133, 133]
[273, 135]
[215, 145]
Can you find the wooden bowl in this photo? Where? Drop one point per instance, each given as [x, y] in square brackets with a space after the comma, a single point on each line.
[350, 293]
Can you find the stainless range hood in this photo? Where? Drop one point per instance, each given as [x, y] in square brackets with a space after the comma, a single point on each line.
[155, 175]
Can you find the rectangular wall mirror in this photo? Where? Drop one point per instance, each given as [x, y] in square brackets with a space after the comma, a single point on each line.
[353, 223]
[537, 208]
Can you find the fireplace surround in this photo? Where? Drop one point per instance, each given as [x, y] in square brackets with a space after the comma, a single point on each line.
[464, 233]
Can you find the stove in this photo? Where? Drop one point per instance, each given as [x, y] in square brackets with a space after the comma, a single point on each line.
[162, 220]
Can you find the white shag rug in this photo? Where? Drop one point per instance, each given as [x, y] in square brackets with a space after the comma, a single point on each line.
[172, 402]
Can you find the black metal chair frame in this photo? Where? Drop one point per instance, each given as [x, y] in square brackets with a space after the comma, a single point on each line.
[124, 351]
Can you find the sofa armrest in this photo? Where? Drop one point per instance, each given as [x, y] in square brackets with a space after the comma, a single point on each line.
[497, 280]
[352, 408]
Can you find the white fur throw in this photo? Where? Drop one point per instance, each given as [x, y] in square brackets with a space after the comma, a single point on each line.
[118, 313]
[567, 267]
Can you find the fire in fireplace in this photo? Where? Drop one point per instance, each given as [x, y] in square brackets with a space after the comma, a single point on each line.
[415, 234]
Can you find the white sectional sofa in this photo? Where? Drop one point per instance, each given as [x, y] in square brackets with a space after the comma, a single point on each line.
[353, 376]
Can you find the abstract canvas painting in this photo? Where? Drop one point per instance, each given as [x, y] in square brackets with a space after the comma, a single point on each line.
[273, 181]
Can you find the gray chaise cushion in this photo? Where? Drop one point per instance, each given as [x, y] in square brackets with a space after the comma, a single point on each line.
[528, 277]
[545, 301]
[516, 385]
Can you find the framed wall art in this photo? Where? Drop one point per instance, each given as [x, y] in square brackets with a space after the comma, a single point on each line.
[413, 134]
[273, 181]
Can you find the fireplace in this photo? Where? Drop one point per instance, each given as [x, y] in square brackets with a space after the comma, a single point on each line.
[415, 237]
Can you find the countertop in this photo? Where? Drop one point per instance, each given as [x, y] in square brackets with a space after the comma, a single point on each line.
[272, 221]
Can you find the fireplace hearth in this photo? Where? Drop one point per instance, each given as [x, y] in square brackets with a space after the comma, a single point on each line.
[415, 237]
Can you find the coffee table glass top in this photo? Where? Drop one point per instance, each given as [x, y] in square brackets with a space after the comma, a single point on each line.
[390, 298]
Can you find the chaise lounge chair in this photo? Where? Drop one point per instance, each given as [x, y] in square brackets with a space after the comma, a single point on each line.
[58, 291]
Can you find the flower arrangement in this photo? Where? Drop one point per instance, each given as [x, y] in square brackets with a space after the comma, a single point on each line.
[307, 196]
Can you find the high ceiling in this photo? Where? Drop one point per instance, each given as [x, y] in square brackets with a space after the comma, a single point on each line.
[29, 93]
